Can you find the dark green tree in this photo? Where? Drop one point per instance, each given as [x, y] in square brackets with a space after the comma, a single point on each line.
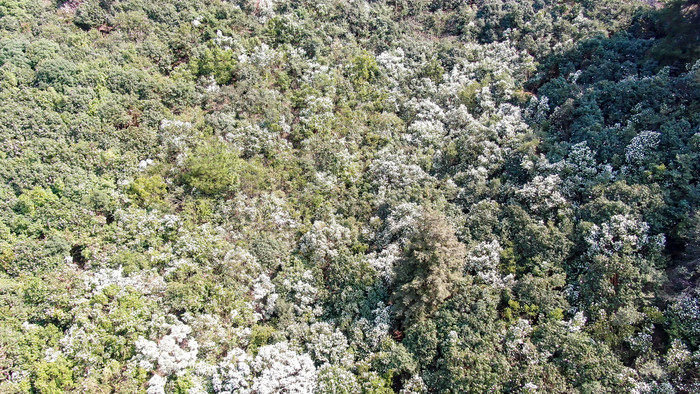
[431, 264]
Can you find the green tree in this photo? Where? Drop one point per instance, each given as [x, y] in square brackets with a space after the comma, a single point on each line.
[431, 263]
[212, 169]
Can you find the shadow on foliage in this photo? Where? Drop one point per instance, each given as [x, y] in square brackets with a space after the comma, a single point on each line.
[611, 93]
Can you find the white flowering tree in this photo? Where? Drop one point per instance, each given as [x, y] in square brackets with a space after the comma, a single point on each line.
[276, 368]
[621, 263]
[171, 355]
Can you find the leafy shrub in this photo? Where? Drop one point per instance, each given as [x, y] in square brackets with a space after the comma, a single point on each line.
[212, 169]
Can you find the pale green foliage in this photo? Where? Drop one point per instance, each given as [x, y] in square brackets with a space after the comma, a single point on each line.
[212, 169]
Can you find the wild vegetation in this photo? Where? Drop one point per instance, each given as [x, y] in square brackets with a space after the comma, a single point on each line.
[349, 196]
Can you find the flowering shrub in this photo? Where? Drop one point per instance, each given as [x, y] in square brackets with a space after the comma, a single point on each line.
[278, 367]
[172, 354]
[324, 241]
[542, 193]
[683, 316]
[641, 147]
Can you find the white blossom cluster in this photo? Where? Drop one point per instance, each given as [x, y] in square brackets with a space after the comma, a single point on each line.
[385, 261]
[209, 84]
[225, 42]
[193, 244]
[233, 374]
[315, 74]
[498, 58]
[414, 385]
[530, 387]
[652, 387]
[246, 266]
[642, 342]
[423, 109]
[460, 121]
[481, 136]
[484, 256]
[210, 331]
[538, 109]
[78, 339]
[518, 345]
[317, 112]
[140, 227]
[580, 170]
[369, 334]
[346, 163]
[622, 231]
[143, 164]
[336, 379]
[517, 339]
[249, 139]
[174, 125]
[323, 241]
[483, 259]
[453, 82]
[577, 322]
[276, 368]
[499, 61]
[392, 63]
[483, 142]
[143, 282]
[678, 355]
[401, 224]
[275, 211]
[303, 294]
[265, 209]
[265, 9]
[328, 345]
[264, 297]
[172, 354]
[510, 121]
[687, 311]
[641, 146]
[262, 56]
[176, 145]
[325, 180]
[156, 384]
[542, 193]
[425, 133]
[280, 368]
[52, 354]
[175, 139]
[478, 165]
[394, 169]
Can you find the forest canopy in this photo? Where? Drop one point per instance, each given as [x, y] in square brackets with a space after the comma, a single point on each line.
[349, 196]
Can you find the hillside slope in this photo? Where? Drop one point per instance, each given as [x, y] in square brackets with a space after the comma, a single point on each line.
[349, 196]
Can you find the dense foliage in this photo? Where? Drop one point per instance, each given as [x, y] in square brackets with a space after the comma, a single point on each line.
[349, 196]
